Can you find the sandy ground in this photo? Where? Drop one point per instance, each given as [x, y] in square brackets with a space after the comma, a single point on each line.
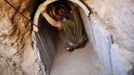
[82, 61]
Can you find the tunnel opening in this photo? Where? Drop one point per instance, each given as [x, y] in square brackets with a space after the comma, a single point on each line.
[45, 39]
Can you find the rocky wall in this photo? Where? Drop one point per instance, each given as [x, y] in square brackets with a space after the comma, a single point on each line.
[114, 17]
[16, 54]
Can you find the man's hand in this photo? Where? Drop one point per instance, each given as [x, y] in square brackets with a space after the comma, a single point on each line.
[42, 8]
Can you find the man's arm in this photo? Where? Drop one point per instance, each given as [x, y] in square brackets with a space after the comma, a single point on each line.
[50, 20]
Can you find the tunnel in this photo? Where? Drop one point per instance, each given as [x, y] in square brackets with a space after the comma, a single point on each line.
[51, 53]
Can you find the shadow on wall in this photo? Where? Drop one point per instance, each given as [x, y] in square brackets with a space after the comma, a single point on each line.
[35, 4]
[46, 42]
[131, 72]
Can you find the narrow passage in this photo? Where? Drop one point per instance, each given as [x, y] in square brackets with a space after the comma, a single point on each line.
[82, 61]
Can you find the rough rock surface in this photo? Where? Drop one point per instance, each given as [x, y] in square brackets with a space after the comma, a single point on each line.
[16, 54]
[118, 19]
[115, 17]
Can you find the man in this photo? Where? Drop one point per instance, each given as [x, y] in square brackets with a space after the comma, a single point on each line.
[65, 16]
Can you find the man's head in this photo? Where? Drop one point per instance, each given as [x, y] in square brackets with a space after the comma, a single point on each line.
[60, 11]
[57, 10]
